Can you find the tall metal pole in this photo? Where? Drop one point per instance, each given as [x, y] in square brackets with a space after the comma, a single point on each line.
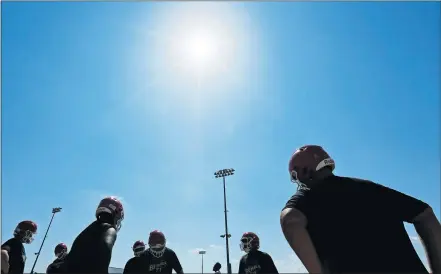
[54, 211]
[226, 229]
[224, 173]
[202, 252]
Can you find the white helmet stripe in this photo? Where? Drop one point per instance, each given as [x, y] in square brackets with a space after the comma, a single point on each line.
[324, 163]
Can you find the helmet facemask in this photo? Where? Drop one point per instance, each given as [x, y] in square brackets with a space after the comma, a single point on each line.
[157, 250]
[61, 255]
[119, 216]
[295, 179]
[246, 244]
[138, 250]
[118, 224]
[26, 236]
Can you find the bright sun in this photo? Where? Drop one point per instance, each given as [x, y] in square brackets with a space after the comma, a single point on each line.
[197, 50]
[198, 39]
[200, 49]
[194, 55]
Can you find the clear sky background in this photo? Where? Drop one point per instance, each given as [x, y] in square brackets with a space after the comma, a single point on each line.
[146, 100]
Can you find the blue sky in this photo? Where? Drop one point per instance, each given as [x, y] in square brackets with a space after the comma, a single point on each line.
[94, 103]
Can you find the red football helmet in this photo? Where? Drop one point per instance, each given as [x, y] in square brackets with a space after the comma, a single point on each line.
[157, 243]
[249, 241]
[138, 248]
[60, 250]
[306, 161]
[114, 207]
[25, 231]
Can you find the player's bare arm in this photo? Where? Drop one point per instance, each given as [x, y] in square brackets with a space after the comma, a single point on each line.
[420, 214]
[429, 229]
[109, 239]
[5, 261]
[293, 224]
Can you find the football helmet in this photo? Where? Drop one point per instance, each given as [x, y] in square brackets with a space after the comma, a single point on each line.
[60, 250]
[157, 243]
[25, 231]
[306, 161]
[114, 207]
[249, 241]
[138, 248]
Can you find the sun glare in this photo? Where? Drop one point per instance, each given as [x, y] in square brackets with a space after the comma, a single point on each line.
[200, 49]
[199, 39]
[195, 53]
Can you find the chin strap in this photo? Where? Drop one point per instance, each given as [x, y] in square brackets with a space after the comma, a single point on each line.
[301, 186]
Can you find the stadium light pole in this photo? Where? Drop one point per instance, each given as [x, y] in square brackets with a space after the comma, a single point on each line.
[224, 173]
[55, 210]
[202, 252]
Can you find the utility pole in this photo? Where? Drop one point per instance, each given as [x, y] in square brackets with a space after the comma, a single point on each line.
[202, 252]
[224, 173]
[54, 211]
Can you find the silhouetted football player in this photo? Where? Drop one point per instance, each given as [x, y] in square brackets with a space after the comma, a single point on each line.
[91, 251]
[134, 264]
[57, 265]
[158, 258]
[23, 234]
[254, 261]
[347, 225]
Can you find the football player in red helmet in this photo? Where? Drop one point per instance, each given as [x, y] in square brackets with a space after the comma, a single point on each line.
[23, 234]
[138, 248]
[57, 265]
[91, 251]
[158, 257]
[60, 251]
[134, 264]
[347, 225]
[254, 261]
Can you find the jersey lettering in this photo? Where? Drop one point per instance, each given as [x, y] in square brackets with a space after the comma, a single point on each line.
[158, 267]
[252, 269]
